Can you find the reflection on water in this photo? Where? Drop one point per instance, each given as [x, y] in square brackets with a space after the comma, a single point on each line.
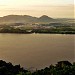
[36, 50]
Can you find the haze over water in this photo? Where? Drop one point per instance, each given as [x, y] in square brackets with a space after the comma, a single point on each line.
[36, 50]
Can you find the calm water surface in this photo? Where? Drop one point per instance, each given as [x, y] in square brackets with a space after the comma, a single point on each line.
[36, 50]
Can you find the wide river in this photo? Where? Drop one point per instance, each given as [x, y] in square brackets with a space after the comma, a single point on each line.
[36, 50]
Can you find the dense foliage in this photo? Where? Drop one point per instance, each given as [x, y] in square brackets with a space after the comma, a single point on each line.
[9, 69]
[61, 68]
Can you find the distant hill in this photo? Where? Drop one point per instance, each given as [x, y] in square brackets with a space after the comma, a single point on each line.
[45, 18]
[25, 19]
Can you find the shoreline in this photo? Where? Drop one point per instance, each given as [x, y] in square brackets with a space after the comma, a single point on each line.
[38, 33]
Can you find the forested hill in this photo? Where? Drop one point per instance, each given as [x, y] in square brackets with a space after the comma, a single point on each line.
[61, 68]
[25, 19]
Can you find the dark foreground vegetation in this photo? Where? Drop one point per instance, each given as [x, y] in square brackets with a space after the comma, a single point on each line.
[61, 68]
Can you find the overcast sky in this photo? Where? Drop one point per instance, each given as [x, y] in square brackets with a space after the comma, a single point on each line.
[52, 8]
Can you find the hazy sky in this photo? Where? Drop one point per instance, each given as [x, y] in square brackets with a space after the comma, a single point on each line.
[53, 8]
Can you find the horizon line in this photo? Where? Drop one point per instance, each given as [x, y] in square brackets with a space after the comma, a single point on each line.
[34, 16]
